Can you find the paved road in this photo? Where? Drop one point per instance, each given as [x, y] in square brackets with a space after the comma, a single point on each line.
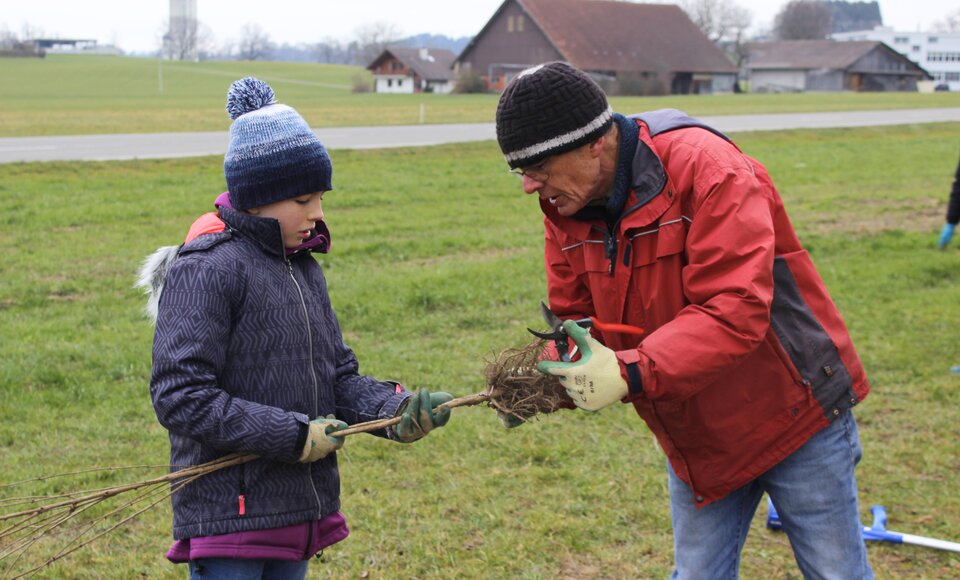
[168, 145]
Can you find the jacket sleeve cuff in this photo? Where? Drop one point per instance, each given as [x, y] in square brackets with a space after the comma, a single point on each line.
[304, 431]
[393, 406]
[630, 371]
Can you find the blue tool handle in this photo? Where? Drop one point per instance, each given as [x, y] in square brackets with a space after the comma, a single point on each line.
[877, 531]
[773, 518]
[879, 518]
[881, 536]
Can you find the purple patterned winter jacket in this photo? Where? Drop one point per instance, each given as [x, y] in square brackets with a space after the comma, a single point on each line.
[246, 350]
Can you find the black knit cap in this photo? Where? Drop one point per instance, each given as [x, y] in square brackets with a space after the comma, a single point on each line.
[549, 109]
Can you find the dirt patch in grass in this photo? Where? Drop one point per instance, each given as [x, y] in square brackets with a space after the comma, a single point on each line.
[871, 216]
[571, 568]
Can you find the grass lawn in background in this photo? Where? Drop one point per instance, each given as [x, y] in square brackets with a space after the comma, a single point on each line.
[76, 95]
[436, 263]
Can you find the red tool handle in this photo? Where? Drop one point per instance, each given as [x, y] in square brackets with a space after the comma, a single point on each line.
[616, 327]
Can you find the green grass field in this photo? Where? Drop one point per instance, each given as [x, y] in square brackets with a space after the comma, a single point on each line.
[436, 263]
[70, 95]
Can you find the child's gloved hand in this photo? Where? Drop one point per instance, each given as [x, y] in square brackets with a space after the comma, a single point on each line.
[418, 417]
[320, 442]
[946, 234]
[594, 381]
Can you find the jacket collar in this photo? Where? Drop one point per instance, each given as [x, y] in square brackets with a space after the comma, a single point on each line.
[319, 242]
[266, 234]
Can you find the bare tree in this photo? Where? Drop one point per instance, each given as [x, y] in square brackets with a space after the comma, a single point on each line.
[29, 32]
[724, 22]
[20, 45]
[720, 20]
[950, 23]
[329, 50]
[373, 38]
[254, 43]
[180, 41]
[803, 20]
[7, 39]
[206, 41]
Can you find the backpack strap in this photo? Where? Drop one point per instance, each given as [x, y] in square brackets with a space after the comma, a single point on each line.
[666, 120]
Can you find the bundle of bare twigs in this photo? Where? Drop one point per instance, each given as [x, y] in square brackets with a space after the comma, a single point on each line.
[25, 527]
[514, 386]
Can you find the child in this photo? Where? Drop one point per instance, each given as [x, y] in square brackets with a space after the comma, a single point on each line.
[248, 357]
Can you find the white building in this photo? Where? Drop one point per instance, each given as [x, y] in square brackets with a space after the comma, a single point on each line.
[413, 70]
[936, 52]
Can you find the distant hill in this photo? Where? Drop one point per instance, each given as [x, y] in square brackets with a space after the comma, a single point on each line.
[354, 54]
[454, 45]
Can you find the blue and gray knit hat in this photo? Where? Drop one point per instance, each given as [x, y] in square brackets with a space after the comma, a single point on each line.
[547, 110]
[273, 154]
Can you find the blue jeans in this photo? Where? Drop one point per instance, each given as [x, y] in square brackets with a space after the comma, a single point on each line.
[234, 569]
[815, 493]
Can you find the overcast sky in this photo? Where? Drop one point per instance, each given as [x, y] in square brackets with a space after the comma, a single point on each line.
[136, 25]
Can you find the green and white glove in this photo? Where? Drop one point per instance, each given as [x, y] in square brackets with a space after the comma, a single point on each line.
[418, 417]
[594, 381]
[320, 442]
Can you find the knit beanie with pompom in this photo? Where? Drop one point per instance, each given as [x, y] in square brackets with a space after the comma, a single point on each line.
[273, 154]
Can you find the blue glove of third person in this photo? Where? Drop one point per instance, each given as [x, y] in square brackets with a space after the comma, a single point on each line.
[946, 234]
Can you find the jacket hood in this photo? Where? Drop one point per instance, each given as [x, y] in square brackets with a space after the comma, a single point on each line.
[151, 274]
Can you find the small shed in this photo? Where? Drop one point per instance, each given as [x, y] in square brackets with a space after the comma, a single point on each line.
[829, 66]
[413, 70]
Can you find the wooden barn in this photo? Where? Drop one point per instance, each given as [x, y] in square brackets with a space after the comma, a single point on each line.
[628, 48]
[413, 70]
[829, 66]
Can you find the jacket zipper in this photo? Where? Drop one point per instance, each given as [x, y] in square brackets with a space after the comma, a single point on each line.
[313, 373]
[610, 239]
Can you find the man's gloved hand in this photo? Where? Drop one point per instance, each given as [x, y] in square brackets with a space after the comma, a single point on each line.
[946, 234]
[418, 417]
[594, 381]
[320, 442]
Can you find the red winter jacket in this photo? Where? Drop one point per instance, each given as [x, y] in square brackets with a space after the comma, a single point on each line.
[745, 356]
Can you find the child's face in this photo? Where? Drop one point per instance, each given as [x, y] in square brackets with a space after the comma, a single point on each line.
[297, 216]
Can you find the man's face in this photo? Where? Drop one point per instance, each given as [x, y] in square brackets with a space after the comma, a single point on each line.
[568, 181]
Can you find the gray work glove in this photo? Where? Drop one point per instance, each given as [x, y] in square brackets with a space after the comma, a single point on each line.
[320, 442]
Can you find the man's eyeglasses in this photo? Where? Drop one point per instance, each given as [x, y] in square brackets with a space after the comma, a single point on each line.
[535, 172]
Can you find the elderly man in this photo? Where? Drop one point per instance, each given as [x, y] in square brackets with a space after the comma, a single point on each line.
[746, 373]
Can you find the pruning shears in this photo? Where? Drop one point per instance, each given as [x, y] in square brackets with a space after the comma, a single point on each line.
[559, 335]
